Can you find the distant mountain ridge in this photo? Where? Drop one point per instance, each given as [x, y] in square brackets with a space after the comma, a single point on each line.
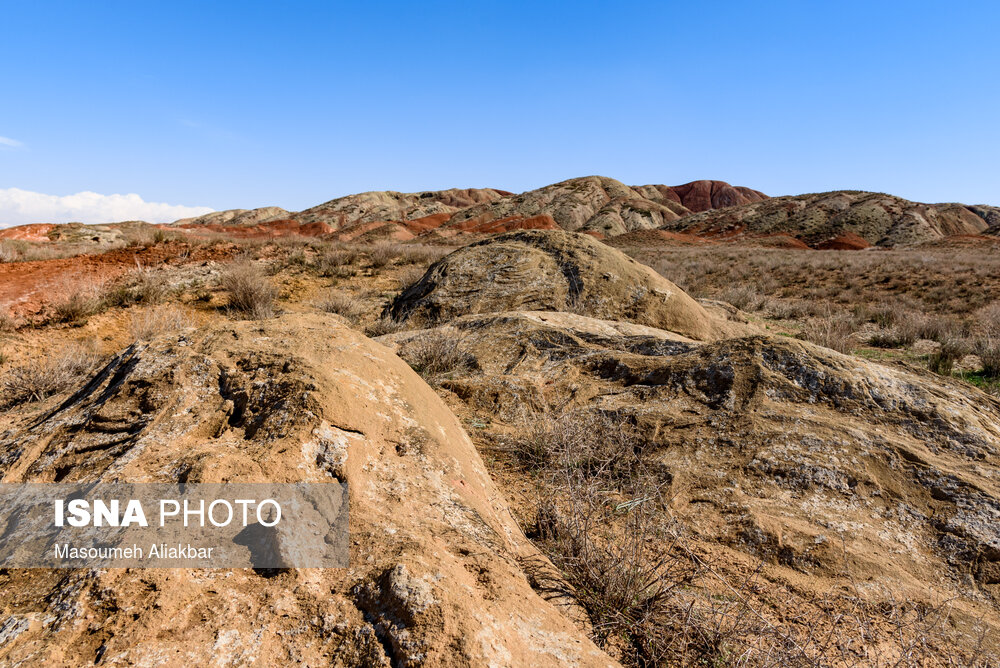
[697, 212]
[842, 219]
[596, 204]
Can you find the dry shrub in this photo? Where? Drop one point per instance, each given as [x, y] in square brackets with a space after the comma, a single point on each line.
[343, 304]
[943, 360]
[601, 445]
[139, 286]
[890, 338]
[789, 309]
[160, 320]
[422, 255]
[436, 355]
[987, 348]
[7, 321]
[385, 324]
[744, 297]
[382, 254]
[8, 253]
[251, 294]
[80, 304]
[832, 331]
[914, 325]
[622, 562]
[409, 276]
[40, 379]
[338, 263]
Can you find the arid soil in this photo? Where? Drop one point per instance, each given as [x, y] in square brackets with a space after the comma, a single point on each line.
[659, 449]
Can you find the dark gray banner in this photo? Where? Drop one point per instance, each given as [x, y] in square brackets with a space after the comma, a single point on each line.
[152, 525]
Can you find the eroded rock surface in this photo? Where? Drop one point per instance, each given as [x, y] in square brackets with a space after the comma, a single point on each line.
[436, 573]
[607, 207]
[825, 465]
[552, 270]
[824, 218]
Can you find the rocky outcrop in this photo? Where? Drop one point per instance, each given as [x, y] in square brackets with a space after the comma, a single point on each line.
[436, 559]
[702, 195]
[876, 218]
[607, 207]
[818, 463]
[552, 270]
[381, 206]
[235, 217]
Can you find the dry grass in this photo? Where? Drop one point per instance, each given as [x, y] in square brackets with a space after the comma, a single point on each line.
[338, 263]
[834, 331]
[342, 304]
[409, 276]
[251, 294]
[139, 286]
[152, 322]
[8, 253]
[382, 254]
[79, 305]
[383, 325]
[436, 356]
[40, 379]
[744, 297]
[655, 599]
[601, 446]
[7, 321]
[421, 255]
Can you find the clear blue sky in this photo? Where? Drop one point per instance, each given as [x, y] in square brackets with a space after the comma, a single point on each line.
[245, 104]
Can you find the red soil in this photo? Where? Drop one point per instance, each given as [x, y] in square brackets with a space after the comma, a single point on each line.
[845, 241]
[26, 287]
[267, 230]
[35, 232]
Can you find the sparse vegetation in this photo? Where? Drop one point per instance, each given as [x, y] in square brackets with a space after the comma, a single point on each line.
[744, 297]
[8, 323]
[7, 252]
[384, 324]
[78, 305]
[42, 378]
[382, 254]
[149, 323]
[251, 294]
[139, 286]
[342, 304]
[338, 263]
[434, 356]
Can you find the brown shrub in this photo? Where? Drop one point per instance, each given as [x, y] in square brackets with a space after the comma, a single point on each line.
[338, 263]
[601, 445]
[152, 322]
[943, 361]
[41, 379]
[139, 286]
[420, 254]
[385, 324]
[251, 294]
[435, 356]
[7, 321]
[621, 560]
[8, 253]
[832, 331]
[744, 297]
[343, 304]
[80, 304]
[382, 254]
[409, 276]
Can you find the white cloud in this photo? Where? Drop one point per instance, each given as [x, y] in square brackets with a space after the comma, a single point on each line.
[7, 142]
[20, 207]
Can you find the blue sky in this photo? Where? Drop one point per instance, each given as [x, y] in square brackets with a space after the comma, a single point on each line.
[248, 104]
